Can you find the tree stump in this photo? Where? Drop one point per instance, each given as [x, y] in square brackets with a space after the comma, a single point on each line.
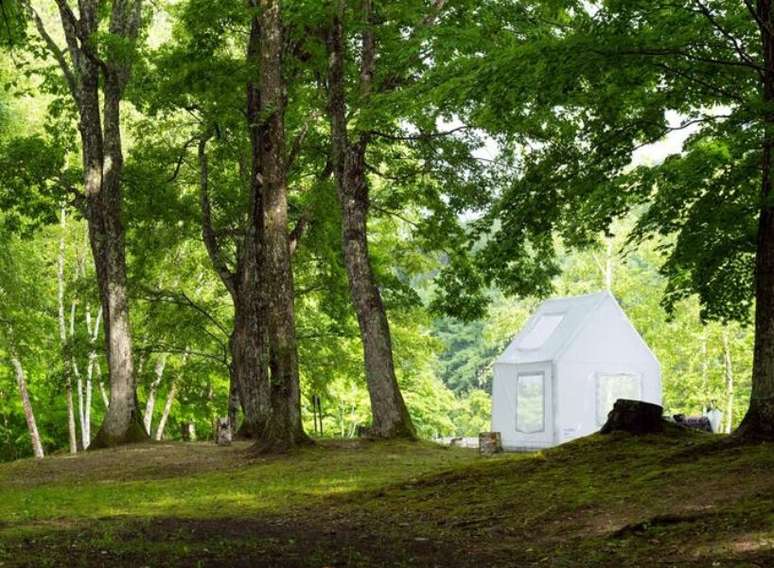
[634, 416]
[187, 431]
[489, 443]
[223, 431]
[362, 431]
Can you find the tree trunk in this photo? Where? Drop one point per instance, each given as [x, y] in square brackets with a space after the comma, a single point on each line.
[85, 439]
[285, 429]
[29, 415]
[93, 333]
[704, 371]
[248, 353]
[390, 416]
[122, 423]
[151, 402]
[167, 410]
[233, 400]
[758, 423]
[102, 391]
[102, 160]
[247, 344]
[729, 372]
[60, 281]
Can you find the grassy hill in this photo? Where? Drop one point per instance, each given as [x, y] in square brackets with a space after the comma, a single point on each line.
[678, 500]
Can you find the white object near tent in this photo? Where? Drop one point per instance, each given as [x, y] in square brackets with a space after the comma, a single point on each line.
[560, 376]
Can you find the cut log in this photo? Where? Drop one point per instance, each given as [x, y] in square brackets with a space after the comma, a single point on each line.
[701, 423]
[223, 431]
[489, 443]
[634, 416]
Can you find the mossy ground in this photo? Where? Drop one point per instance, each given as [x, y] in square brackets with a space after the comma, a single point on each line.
[673, 500]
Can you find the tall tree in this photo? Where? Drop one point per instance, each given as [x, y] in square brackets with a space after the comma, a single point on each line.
[96, 73]
[248, 340]
[390, 415]
[285, 429]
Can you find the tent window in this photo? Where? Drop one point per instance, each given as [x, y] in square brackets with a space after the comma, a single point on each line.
[543, 329]
[530, 405]
[612, 387]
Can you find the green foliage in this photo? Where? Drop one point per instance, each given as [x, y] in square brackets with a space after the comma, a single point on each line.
[574, 101]
[12, 23]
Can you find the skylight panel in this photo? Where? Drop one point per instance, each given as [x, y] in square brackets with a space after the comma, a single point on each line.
[543, 329]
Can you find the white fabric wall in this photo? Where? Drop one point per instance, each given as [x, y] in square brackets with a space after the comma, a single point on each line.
[608, 344]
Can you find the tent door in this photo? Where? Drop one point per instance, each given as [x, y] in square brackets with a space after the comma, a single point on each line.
[533, 404]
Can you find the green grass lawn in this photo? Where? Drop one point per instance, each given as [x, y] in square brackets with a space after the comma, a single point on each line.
[678, 500]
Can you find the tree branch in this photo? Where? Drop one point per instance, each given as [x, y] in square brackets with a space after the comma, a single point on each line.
[208, 233]
[58, 54]
[181, 158]
[298, 142]
[306, 215]
[686, 55]
[754, 13]
[182, 299]
[420, 136]
[78, 31]
[435, 11]
[173, 349]
[394, 80]
[704, 9]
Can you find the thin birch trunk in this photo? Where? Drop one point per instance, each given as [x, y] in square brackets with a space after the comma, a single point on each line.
[151, 402]
[605, 265]
[704, 370]
[167, 409]
[170, 399]
[78, 383]
[729, 370]
[93, 332]
[29, 415]
[102, 390]
[71, 428]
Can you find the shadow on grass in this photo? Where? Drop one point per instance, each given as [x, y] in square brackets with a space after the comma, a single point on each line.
[371, 540]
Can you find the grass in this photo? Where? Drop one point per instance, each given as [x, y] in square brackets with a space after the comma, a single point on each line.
[673, 500]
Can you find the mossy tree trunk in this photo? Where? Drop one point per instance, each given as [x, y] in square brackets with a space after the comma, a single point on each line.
[758, 423]
[284, 429]
[390, 415]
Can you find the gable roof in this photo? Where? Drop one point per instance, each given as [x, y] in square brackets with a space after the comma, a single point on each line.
[552, 327]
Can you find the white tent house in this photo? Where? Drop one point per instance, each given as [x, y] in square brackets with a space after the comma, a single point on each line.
[560, 376]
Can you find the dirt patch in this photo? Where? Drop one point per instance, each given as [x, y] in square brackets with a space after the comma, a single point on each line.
[654, 522]
[152, 460]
